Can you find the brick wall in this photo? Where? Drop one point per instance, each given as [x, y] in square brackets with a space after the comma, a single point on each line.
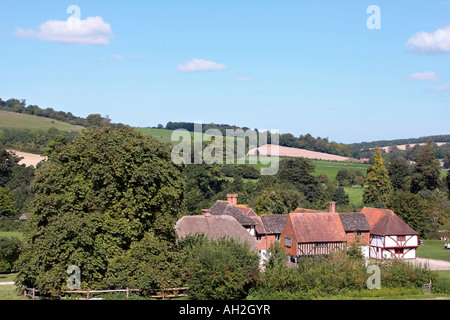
[288, 231]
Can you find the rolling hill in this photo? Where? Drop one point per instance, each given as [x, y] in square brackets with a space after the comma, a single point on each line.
[24, 121]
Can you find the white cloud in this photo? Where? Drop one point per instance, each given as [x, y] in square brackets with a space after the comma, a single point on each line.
[443, 88]
[243, 79]
[91, 31]
[430, 43]
[423, 76]
[201, 65]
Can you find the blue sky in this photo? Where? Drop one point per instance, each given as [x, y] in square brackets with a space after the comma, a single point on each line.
[297, 66]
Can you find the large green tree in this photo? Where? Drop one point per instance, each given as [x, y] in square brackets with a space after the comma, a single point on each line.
[411, 208]
[6, 203]
[427, 170]
[379, 185]
[100, 200]
[399, 174]
[298, 172]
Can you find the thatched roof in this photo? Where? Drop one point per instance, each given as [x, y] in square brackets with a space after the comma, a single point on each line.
[214, 227]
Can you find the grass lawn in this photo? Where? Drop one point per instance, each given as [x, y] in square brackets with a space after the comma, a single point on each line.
[330, 168]
[11, 234]
[355, 195]
[433, 249]
[8, 291]
[25, 121]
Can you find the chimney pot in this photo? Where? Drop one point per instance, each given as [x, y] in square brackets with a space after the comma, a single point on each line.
[232, 198]
[332, 207]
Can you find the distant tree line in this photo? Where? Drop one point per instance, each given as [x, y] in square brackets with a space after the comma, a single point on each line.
[307, 141]
[387, 143]
[19, 106]
[28, 140]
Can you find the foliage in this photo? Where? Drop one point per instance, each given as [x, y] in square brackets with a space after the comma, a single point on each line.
[6, 203]
[150, 263]
[19, 106]
[94, 198]
[347, 178]
[315, 276]
[411, 208]
[426, 171]
[378, 183]
[8, 160]
[340, 197]
[222, 269]
[31, 140]
[9, 253]
[399, 173]
[299, 173]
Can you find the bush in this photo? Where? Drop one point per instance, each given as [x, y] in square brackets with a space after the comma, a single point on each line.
[222, 269]
[9, 252]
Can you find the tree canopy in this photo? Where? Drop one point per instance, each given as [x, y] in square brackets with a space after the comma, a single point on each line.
[97, 200]
[378, 183]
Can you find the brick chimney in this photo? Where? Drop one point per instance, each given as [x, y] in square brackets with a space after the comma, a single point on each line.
[332, 207]
[232, 198]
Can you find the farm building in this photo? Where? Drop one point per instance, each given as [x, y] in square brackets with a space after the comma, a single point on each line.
[390, 236]
[357, 231]
[214, 227]
[310, 234]
[221, 207]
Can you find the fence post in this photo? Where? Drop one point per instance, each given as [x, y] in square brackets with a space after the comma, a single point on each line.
[32, 297]
[128, 292]
[87, 294]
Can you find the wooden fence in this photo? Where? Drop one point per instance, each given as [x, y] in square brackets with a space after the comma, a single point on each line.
[161, 293]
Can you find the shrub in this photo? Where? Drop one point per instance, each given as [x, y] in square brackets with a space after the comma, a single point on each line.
[9, 252]
[220, 269]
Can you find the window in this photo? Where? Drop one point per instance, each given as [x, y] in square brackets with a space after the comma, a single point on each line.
[277, 237]
[287, 242]
[398, 251]
[359, 234]
[321, 245]
[401, 238]
[258, 238]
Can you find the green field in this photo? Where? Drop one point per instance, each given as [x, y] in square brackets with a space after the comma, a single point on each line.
[25, 121]
[330, 168]
[11, 234]
[433, 249]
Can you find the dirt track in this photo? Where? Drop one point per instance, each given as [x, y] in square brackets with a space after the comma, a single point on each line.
[29, 159]
[432, 264]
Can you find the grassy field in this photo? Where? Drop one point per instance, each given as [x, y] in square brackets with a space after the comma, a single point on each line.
[433, 249]
[25, 121]
[355, 195]
[330, 169]
[11, 234]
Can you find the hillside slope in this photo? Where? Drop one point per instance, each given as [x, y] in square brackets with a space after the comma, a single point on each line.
[25, 121]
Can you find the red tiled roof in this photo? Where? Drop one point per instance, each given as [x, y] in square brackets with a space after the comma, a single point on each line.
[319, 227]
[386, 222]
